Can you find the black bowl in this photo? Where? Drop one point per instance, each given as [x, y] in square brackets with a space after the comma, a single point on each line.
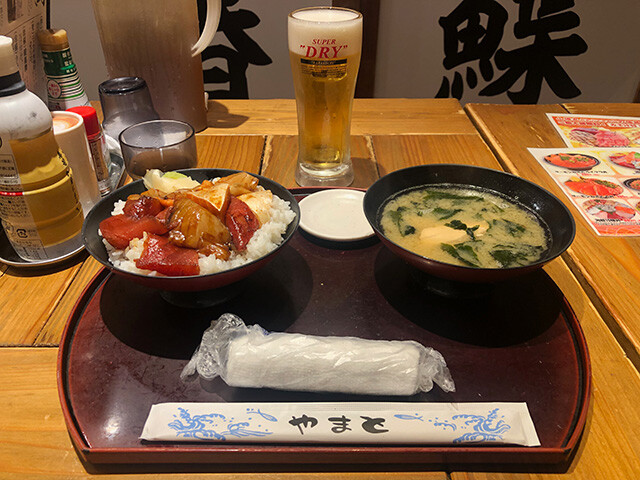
[553, 213]
[575, 169]
[93, 241]
[629, 183]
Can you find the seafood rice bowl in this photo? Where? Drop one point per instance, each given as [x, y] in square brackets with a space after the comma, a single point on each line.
[176, 232]
[265, 240]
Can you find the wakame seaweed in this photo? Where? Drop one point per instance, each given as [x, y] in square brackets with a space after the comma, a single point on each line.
[462, 252]
[458, 225]
[509, 255]
[396, 216]
[445, 213]
[512, 228]
[507, 258]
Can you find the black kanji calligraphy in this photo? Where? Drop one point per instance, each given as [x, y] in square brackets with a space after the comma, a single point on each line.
[244, 52]
[537, 61]
[467, 39]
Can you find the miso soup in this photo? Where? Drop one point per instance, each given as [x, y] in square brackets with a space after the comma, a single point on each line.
[466, 226]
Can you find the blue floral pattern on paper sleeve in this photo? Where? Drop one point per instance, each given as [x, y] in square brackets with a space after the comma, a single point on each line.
[484, 428]
[214, 426]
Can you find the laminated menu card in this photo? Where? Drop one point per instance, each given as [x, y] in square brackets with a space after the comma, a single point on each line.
[603, 184]
[600, 131]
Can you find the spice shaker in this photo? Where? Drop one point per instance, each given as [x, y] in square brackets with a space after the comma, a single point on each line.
[64, 88]
[97, 146]
[39, 205]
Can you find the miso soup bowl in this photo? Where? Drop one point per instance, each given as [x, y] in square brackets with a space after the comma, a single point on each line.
[550, 210]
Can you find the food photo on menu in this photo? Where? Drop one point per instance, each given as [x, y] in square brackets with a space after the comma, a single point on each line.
[627, 159]
[596, 130]
[572, 161]
[603, 183]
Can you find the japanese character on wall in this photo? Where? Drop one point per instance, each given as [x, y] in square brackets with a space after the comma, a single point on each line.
[244, 51]
[474, 31]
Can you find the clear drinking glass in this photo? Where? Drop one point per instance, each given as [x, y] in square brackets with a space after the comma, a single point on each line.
[163, 144]
[125, 101]
[324, 49]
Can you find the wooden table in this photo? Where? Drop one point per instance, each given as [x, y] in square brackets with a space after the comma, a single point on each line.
[259, 136]
[607, 267]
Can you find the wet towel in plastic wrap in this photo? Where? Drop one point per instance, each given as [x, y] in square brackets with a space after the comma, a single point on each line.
[249, 356]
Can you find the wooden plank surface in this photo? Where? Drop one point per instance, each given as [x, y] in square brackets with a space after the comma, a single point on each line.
[609, 267]
[370, 117]
[28, 299]
[238, 152]
[281, 155]
[392, 134]
[51, 332]
[395, 152]
[619, 109]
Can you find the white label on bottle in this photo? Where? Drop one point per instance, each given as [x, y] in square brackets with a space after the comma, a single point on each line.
[16, 217]
[9, 178]
[99, 161]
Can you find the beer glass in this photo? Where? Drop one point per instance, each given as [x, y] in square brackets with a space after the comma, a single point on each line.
[324, 49]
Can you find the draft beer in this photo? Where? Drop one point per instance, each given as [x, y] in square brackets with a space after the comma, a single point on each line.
[324, 49]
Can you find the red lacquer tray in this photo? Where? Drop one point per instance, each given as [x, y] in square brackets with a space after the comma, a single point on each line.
[124, 347]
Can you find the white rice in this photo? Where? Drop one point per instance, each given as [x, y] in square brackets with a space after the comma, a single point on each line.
[264, 240]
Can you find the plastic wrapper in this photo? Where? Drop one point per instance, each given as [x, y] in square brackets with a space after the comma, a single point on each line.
[249, 356]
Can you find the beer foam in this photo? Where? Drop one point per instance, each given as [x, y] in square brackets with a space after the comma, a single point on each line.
[325, 15]
[313, 25]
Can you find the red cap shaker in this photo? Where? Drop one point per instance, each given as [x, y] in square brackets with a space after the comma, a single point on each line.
[97, 145]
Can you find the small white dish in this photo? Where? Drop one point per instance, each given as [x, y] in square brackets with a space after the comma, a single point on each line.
[335, 214]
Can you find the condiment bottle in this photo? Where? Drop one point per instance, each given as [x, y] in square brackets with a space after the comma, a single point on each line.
[97, 146]
[64, 88]
[39, 205]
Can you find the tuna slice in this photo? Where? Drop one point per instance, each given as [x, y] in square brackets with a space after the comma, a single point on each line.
[241, 222]
[119, 230]
[162, 256]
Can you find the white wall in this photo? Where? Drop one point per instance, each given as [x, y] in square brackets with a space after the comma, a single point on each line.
[410, 48]
[269, 81]
[76, 17]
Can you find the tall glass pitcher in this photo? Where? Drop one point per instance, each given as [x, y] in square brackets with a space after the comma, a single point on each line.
[158, 41]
